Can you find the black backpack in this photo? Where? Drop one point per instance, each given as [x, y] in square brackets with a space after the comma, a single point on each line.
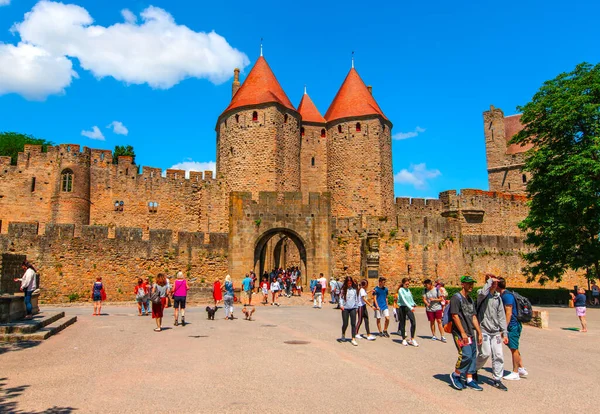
[524, 308]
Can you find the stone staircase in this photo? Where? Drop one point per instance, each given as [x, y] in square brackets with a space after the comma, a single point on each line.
[42, 326]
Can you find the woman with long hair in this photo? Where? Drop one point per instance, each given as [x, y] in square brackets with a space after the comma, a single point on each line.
[407, 306]
[228, 297]
[180, 290]
[98, 296]
[141, 295]
[348, 305]
[159, 291]
[362, 313]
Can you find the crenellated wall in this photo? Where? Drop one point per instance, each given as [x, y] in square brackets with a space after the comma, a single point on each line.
[69, 264]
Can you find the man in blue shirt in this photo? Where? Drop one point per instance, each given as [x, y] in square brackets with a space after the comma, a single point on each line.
[381, 306]
[514, 331]
[247, 286]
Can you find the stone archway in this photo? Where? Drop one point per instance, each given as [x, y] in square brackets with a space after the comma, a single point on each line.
[252, 224]
[262, 245]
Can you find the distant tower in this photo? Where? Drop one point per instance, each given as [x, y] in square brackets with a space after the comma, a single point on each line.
[313, 154]
[236, 82]
[359, 152]
[71, 196]
[504, 162]
[258, 136]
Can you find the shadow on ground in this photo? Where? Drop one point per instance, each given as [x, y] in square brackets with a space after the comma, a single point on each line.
[7, 405]
[17, 346]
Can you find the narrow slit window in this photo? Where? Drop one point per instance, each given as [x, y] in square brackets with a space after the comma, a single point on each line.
[302, 131]
[524, 178]
[340, 129]
[255, 116]
[358, 127]
[33, 184]
[285, 118]
[312, 161]
[323, 133]
[237, 118]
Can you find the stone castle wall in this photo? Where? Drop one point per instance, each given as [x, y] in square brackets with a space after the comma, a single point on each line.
[313, 159]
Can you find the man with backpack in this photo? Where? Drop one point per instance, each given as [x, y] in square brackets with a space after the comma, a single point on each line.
[511, 306]
[492, 320]
[464, 326]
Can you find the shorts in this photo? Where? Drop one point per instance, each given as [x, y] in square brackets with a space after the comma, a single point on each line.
[432, 316]
[265, 292]
[580, 310]
[97, 297]
[179, 302]
[514, 335]
[379, 313]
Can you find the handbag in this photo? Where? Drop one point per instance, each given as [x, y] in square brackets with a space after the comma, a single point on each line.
[155, 297]
[103, 294]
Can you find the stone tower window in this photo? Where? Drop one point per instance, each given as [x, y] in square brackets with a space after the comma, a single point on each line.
[524, 178]
[33, 184]
[102, 157]
[358, 127]
[323, 133]
[285, 118]
[312, 161]
[255, 116]
[66, 179]
[302, 131]
[237, 118]
[340, 129]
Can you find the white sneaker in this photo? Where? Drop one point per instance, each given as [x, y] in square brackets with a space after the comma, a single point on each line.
[371, 338]
[404, 342]
[443, 339]
[358, 337]
[353, 342]
[523, 372]
[414, 343]
[513, 376]
[434, 338]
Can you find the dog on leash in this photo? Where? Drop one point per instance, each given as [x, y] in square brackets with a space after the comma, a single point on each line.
[211, 312]
[248, 313]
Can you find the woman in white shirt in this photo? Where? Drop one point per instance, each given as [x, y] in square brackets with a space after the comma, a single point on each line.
[348, 305]
[362, 312]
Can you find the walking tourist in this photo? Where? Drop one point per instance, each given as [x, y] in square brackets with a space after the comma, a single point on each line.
[146, 305]
[217, 294]
[440, 285]
[28, 286]
[362, 313]
[228, 297]
[381, 306]
[159, 300]
[333, 289]
[464, 325]
[323, 282]
[264, 286]
[492, 321]
[141, 295]
[579, 302]
[180, 290]
[433, 308]
[348, 305]
[595, 294]
[98, 295]
[247, 286]
[406, 310]
[275, 288]
[514, 329]
[318, 295]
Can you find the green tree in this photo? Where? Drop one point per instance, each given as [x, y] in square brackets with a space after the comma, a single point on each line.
[11, 143]
[123, 150]
[562, 121]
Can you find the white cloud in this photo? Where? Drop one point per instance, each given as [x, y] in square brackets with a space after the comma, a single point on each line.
[95, 133]
[417, 176]
[190, 165]
[405, 135]
[157, 51]
[118, 128]
[32, 72]
[4, 2]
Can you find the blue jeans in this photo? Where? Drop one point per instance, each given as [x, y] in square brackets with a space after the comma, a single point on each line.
[467, 356]
[28, 306]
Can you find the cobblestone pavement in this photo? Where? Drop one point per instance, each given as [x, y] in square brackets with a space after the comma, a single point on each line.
[116, 363]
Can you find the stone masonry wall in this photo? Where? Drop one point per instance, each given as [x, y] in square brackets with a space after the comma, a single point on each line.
[69, 265]
[360, 177]
[313, 159]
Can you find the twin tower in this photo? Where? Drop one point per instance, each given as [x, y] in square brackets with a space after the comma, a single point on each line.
[264, 143]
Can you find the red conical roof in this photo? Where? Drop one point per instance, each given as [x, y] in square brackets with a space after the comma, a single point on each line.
[309, 111]
[353, 99]
[261, 86]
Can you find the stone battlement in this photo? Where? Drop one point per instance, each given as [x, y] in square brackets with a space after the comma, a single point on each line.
[452, 200]
[272, 201]
[96, 234]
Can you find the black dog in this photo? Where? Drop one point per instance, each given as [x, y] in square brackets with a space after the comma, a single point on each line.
[211, 312]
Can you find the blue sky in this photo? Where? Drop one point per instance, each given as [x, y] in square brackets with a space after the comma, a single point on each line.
[434, 66]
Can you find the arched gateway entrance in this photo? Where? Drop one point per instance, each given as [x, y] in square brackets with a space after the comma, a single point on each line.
[280, 247]
[279, 231]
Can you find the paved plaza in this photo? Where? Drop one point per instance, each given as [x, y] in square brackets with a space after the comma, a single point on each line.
[117, 364]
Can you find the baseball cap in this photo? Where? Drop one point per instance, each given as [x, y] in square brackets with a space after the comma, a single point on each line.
[466, 279]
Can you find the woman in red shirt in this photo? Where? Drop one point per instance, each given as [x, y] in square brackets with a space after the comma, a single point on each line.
[217, 295]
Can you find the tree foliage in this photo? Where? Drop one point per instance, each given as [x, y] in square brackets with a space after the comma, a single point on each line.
[126, 150]
[11, 143]
[562, 121]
